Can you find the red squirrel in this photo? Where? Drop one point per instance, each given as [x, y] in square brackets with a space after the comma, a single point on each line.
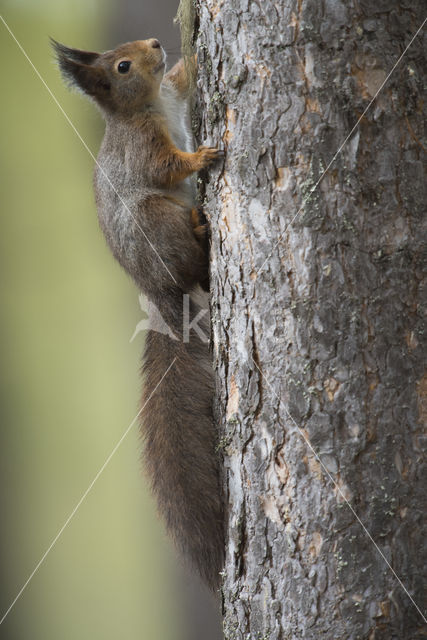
[145, 200]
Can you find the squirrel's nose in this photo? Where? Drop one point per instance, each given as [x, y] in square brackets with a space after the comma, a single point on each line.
[155, 44]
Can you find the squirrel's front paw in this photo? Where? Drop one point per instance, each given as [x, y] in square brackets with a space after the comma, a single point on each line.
[208, 155]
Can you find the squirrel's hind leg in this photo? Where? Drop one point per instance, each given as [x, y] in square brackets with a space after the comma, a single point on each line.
[201, 231]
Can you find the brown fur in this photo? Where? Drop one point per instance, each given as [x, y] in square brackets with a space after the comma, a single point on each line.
[145, 202]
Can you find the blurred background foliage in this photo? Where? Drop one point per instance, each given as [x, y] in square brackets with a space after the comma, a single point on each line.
[70, 380]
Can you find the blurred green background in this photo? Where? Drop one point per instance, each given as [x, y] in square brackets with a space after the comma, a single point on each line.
[70, 381]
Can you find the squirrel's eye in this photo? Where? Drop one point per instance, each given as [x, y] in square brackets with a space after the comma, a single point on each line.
[123, 66]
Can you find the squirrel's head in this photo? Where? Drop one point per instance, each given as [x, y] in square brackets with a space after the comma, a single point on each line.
[122, 81]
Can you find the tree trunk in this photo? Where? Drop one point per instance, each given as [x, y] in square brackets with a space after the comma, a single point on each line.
[316, 306]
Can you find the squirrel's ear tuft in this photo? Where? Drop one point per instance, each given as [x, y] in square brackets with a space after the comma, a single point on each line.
[77, 70]
[78, 55]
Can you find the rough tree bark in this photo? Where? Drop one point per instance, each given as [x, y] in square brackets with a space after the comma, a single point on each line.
[316, 310]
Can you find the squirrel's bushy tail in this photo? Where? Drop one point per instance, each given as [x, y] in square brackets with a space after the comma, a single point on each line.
[180, 451]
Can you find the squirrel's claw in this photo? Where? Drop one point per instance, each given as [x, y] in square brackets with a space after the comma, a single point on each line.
[207, 155]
